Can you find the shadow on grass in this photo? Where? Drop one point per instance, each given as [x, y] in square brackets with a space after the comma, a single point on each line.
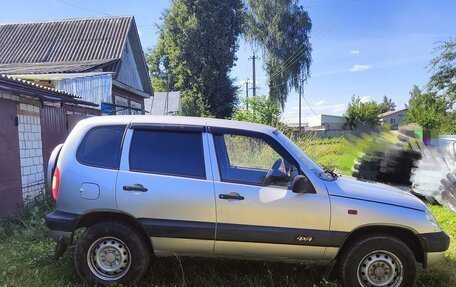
[25, 263]
[186, 271]
[32, 264]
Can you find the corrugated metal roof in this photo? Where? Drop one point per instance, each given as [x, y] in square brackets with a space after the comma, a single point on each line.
[35, 85]
[390, 113]
[60, 67]
[12, 83]
[72, 40]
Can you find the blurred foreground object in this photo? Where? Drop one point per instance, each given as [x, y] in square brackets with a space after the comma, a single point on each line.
[435, 174]
[386, 158]
[412, 160]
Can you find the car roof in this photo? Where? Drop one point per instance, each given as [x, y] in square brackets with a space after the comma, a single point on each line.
[179, 120]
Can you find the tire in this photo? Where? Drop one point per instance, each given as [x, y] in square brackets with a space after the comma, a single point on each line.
[390, 261]
[118, 254]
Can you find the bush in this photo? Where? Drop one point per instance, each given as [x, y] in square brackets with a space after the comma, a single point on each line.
[29, 220]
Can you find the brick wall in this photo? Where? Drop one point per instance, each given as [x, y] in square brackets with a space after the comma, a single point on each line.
[30, 148]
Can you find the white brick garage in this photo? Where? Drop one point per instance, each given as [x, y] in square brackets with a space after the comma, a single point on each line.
[30, 150]
[22, 154]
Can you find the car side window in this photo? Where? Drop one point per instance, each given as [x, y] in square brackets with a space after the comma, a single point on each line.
[101, 147]
[252, 160]
[168, 153]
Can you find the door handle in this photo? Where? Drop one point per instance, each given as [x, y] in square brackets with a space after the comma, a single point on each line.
[135, 187]
[233, 195]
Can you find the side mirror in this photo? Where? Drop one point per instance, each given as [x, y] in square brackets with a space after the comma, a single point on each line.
[301, 184]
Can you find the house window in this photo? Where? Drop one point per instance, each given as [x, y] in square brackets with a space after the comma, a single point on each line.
[121, 106]
[136, 108]
[393, 120]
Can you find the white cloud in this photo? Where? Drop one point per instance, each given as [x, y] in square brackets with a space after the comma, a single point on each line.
[320, 103]
[355, 52]
[140, 33]
[365, 99]
[359, 68]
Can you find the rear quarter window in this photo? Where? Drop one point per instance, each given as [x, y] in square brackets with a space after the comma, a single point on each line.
[101, 147]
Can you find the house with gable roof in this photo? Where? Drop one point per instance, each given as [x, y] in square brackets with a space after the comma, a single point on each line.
[99, 59]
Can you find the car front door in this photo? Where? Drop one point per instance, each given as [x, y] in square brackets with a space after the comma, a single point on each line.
[257, 213]
[165, 181]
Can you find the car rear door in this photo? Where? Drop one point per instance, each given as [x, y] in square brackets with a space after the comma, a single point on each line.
[165, 181]
[257, 213]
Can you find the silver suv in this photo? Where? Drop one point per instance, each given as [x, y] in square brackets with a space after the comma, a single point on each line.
[145, 186]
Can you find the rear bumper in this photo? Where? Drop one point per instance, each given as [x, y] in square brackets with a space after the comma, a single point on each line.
[61, 221]
[61, 227]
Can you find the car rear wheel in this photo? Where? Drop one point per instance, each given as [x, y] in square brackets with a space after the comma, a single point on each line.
[111, 252]
[375, 261]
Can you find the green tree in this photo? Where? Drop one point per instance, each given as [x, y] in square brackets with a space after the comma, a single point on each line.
[359, 112]
[433, 108]
[427, 109]
[260, 110]
[195, 52]
[443, 67]
[386, 105]
[281, 28]
[198, 40]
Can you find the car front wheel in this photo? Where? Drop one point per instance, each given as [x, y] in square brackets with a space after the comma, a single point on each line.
[111, 252]
[379, 260]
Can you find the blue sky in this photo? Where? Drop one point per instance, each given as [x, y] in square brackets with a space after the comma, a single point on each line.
[363, 47]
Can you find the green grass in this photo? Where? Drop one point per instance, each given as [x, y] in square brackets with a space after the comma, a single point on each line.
[26, 253]
[332, 154]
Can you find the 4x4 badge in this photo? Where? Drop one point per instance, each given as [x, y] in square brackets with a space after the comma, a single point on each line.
[304, 238]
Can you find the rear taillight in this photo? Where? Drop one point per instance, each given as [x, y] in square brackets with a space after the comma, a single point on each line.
[55, 183]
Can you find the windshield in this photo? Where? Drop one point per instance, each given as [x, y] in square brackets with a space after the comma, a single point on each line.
[290, 145]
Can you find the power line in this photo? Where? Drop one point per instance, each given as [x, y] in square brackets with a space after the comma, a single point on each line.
[310, 107]
[289, 29]
[83, 8]
[301, 50]
[296, 56]
[278, 85]
[97, 11]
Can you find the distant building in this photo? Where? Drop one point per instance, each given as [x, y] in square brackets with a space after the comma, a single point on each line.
[163, 103]
[392, 118]
[326, 123]
[99, 59]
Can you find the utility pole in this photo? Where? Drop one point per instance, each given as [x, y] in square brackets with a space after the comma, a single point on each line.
[247, 93]
[254, 80]
[301, 92]
[165, 111]
[300, 95]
